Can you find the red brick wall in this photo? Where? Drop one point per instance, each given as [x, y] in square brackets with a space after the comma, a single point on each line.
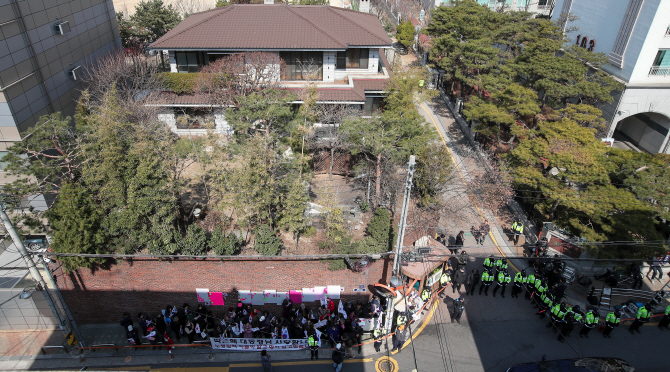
[101, 296]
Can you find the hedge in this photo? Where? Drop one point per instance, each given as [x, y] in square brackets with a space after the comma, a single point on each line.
[178, 82]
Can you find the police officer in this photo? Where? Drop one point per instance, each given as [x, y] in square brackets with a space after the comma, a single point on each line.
[567, 326]
[377, 335]
[540, 287]
[546, 303]
[401, 319]
[488, 264]
[666, 319]
[530, 285]
[518, 283]
[643, 314]
[313, 344]
[458, 310]
[612, 321]
[590, 321]
[518, 232]
[501, 265]
[577, 314]
[487, 279]
[503, 279]
[444, 281]
[425, 295]
[557, 317]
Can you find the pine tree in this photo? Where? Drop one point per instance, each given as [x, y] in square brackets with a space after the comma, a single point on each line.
[379, 231]
[75, 221]
[224, 244]
[194, 242]
[267, 242]
[405, 33]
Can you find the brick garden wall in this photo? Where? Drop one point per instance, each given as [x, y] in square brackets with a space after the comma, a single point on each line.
[148, 285]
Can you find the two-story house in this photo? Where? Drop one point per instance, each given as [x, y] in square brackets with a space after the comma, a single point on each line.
[635, 35]
[343, 48]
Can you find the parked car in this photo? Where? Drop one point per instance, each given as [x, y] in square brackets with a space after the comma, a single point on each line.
[36, 243]
[596, 364]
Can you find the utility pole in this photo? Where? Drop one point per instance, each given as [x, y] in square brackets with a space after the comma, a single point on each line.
[399, 241]
[18, 243]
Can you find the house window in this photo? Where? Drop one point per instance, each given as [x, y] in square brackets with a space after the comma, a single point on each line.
[302, 65]
[188, 61]
[373, 104]
[661, 66]
[192, 118]
[352, 58]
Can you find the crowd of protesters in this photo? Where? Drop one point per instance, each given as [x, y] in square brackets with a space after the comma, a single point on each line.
[322, 323]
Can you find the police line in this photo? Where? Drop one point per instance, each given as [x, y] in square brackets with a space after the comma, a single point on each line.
[255, 344]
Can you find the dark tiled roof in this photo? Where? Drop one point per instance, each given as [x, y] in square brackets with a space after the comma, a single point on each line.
[278, 26]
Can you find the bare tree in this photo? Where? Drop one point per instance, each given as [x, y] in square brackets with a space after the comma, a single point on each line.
[188, 7]
[135, 79]
[239, 75]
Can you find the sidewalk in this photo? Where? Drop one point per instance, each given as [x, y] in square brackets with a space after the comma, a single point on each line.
[21, 349]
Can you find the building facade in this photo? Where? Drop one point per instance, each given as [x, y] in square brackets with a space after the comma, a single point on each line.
[43, 46]
[540, 7]
[339, 49]
[635, 35]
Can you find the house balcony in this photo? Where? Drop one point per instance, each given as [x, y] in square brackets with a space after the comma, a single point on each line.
[659, 71]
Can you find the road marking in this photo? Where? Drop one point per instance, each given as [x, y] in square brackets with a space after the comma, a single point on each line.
[386, 364]
[453, 160]
[199, 369]
[298, 363]
[429, 316]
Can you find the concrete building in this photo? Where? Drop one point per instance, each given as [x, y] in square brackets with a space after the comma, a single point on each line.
[43, 44]
[543, 7]
[635, 35]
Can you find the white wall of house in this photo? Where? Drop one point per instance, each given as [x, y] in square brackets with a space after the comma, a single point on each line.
[329, 59]
[167, 116]
[173, 62]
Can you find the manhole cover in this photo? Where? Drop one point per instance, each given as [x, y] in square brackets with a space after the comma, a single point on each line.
[386, 364]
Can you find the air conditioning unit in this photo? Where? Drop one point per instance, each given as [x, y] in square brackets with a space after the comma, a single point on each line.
[63, 27]
[74, 72]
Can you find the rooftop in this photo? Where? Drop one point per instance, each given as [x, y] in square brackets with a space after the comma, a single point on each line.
[275, 27]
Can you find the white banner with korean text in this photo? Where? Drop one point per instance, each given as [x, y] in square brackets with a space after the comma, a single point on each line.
[254, 344]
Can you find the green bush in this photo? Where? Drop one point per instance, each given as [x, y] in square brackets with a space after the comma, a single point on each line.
[178, 82]
[194, 242]
[379, 232]
[267, 241]
[224, 245]
[365, 206]
[310, 231]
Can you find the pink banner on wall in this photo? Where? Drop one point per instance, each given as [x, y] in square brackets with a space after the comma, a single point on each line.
[295, 296]
[216, 298]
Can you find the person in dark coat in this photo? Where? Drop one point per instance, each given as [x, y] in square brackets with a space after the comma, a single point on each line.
[266, 361]
[338, 358]
[472, 281]
[161, 327]
[142, 322]
[126, 321]
[131, 334]
[460, 238]
[176, 327]
[458, 279]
